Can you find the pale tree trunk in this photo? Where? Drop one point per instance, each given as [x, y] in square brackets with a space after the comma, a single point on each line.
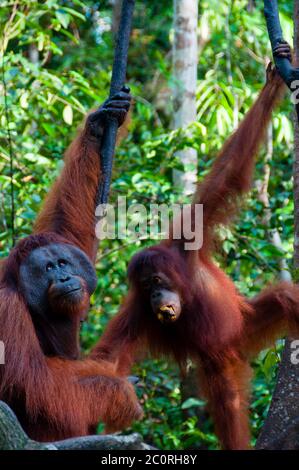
[185, 52]
[185, 59]
[263, 196]
[281, 427]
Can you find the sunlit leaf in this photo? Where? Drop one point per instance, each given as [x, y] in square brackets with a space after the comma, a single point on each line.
[68, 114]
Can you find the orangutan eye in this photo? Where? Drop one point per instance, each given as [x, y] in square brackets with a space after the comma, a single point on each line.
[49, 267]
[146, 284]
[156, 280]
[61, 263]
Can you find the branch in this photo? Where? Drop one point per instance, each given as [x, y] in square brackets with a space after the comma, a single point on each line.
[106, 442]
[13, 437]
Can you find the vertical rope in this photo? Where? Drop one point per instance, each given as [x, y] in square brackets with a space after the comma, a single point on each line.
[117, 81]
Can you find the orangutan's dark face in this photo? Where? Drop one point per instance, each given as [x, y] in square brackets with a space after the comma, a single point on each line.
[57, 278]
[165, 301]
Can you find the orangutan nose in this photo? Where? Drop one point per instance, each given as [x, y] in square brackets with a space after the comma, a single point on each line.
[156, 295]
[64, 278]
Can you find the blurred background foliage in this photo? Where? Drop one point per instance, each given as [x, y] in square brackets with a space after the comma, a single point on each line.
[57, 65]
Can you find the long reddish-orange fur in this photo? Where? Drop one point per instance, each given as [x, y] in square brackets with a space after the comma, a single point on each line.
[218, 328]
[69, 208]
[56, 397]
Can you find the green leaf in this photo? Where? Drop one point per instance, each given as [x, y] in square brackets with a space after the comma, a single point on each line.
[49, 129]
[68, 114]
[63, 17]
[75, 13]
[190, 402]
[37, 158]
[24, 100]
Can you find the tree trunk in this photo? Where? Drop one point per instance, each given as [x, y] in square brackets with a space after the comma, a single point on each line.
[12, 437]
[263, 196]
[185, 77]
[185, 58]
[282, 421]
[280, 430]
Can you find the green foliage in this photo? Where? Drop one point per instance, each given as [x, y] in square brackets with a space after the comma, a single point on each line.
[57, 65]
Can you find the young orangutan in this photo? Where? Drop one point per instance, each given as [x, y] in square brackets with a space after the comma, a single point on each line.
[181, 304]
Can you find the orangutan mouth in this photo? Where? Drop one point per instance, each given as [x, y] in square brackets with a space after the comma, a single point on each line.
[71, 292]
[166, 314]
